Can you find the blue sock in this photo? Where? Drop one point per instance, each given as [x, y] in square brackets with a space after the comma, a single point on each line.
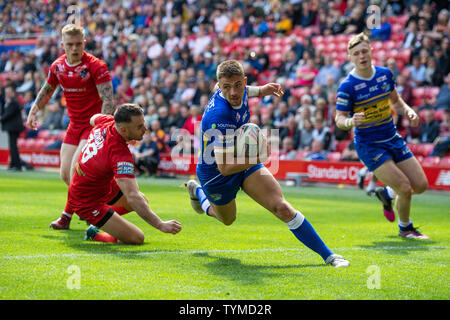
[305, 232]
[203, 200]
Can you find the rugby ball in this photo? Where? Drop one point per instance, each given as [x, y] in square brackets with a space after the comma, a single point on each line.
[249, 141]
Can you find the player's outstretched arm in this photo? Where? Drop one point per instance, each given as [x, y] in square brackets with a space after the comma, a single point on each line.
[42, 98]
[139, 204]
[105, 91]
[400, 106]
[345, 123]
[266, 90]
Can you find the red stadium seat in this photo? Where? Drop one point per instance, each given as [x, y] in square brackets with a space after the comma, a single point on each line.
[44, 134]
[318, 39]
[253, 101]
[432, 92]
[397, 28]
[342, 47]
[392, 53]
[301, 154]
[418, 92]
[298, 92]
[389, 45]
[61, 135]
[431, 161]
[404, 54]
[21, 142]
[412, 147]
[439, 115]
[445, 162]
[275, 59]
[379, 54]
[28, 144]
[425, 149]
[289, 83]
[341, 145]
[329, 48]
[334, 156]
[377, 45]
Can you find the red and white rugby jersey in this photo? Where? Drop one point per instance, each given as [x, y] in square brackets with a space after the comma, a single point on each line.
[78, 83]
[105, 156]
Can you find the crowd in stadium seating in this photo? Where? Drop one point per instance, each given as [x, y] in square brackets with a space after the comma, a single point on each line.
[164, 54]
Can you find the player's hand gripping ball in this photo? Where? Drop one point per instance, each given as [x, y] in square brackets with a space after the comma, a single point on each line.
[250, 142]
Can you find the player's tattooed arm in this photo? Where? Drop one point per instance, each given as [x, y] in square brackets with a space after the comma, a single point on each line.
[105, 91]
[42, 98]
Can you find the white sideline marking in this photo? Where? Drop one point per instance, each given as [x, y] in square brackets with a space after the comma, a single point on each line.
[149, 253]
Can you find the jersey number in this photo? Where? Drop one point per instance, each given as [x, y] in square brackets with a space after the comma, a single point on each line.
[88, 151]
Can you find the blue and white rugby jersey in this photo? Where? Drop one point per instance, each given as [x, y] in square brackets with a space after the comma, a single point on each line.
[371, 96]
[219, 122]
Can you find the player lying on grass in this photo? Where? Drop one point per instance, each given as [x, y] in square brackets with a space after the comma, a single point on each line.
[104, 186]
[221, 180]
[364, 101]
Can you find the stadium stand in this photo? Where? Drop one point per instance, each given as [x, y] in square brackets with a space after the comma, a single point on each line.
[201, 42]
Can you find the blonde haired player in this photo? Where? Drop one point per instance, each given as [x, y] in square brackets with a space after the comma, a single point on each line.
[364, 101]
[87, 87]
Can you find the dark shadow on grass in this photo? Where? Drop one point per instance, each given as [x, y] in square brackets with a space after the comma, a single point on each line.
[75, 239]
[246, 274]
[400, 246]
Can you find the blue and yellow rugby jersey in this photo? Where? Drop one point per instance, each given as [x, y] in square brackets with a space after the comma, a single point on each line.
[219, 122]
[371, 96]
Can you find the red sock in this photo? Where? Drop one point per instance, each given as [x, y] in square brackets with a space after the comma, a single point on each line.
[104, 237]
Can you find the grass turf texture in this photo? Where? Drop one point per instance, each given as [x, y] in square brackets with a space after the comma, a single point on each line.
[255, 258]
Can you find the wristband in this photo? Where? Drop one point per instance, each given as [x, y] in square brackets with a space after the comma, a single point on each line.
[348, 123]
[253, 91]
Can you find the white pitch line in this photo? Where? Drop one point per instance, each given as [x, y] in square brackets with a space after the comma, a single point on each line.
[149, 253]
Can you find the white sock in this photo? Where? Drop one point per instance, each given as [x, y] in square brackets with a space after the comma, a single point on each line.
[206, 205]
[371, 185]
[296, 222]
[404, 224]
[68, 215]
[391, 192]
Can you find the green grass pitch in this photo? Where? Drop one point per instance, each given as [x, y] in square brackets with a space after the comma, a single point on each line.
[255, 258]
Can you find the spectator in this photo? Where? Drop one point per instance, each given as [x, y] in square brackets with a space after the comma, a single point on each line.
[442, 143]
[293, 131]
[287, 151]
[433, 75]
[317, 152]
[163, 118]
[443, 97]
[12, 122]
[417, 71]
[382, 33]
[392, 65]
[322, 133]
[307, 74]
[442, 59]
[430, 128]
[193, 120]
[404, 89]
[159, 136]
[349, 153]
[306, 134]
[281, 116]
[328, 69]
[53, 117]
[146, 157]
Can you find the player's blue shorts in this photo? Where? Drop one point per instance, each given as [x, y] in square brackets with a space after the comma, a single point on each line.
[374, 154]
[220, 189]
